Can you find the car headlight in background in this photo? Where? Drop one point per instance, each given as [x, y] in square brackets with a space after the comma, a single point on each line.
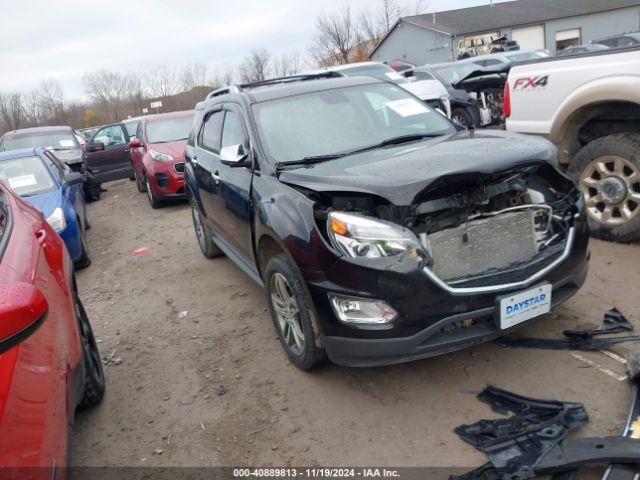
[363, 237]
[159, 156]
[56, 220]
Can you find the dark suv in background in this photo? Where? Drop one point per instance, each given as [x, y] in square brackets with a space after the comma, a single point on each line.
[380, 231]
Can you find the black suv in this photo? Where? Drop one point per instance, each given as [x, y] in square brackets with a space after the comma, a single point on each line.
[380, 231]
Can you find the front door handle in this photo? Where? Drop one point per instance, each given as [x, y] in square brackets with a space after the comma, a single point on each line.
[41, 236]
[216, 177]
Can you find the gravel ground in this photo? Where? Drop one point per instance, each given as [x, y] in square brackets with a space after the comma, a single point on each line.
[196, 376]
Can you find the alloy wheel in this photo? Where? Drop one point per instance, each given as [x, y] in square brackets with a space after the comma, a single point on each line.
[287, 313]
[611, 188]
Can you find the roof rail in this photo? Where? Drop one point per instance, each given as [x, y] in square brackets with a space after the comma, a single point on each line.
[292, 78]
[223, 91]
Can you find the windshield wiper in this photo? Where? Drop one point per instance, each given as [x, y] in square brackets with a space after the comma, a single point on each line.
[385, 143]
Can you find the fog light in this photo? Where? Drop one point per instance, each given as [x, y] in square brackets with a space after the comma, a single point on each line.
[361, 310]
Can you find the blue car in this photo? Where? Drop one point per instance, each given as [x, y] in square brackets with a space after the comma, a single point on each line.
[41, 179]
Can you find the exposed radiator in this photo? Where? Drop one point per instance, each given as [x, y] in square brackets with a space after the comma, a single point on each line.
[493, 243]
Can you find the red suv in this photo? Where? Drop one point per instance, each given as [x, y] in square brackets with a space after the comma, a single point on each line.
[49, 361]
[157, 155]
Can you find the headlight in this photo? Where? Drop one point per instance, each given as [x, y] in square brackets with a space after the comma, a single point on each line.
[362, 237]
[161, 157]
[56, 220]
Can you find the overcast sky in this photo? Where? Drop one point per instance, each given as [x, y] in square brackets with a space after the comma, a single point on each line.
[63, 39]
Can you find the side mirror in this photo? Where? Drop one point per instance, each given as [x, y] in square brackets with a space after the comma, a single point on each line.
[22, 309]
[95, 147]
[233, 155]
[134, 143]
[73, 178]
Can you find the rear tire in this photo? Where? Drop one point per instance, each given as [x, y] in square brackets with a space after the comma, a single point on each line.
[613, 208]
[291, 311]
[92, 188]
[207, 246]
[94, 382]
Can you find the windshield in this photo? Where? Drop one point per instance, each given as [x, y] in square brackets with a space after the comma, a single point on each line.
[343, 119]
[454, 73]
[57, 140]
[26, 176]
[382, 72]
[169, 129]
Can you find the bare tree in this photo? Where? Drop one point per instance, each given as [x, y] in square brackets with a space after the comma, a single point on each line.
[336, 36]
[50, 100]
[255, 66]
[163, 81]
[109, 90]
[12, 112]
[194, 75]
[286, 64]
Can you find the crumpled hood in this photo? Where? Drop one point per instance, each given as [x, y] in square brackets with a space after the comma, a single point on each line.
[175, 149]
[400, 173]
[46, 202]
[426, 89]
[69, 156]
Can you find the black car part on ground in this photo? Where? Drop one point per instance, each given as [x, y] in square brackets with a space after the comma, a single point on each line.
[532, 442]
[614, 322]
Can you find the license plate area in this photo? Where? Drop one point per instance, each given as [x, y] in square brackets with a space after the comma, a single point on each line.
[519, 307]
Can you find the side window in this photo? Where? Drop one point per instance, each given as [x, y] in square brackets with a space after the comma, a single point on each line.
[625, 42]
[209, 136]
[55, 166]
[110, 136]
[492, 61]
[422, 75]
[139, 132]
[232, 132]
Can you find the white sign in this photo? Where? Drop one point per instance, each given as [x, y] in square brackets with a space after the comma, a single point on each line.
[22, 181]
[407, 107]
[521, 307]
[157, 104]
[145, 110]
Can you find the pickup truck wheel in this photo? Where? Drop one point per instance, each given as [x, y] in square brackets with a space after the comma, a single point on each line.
[607, 171]
[290, 309]
[207, 246]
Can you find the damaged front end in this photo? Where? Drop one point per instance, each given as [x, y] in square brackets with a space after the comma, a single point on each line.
[470, 233]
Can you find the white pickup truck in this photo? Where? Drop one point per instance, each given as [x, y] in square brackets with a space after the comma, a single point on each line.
[589, 106]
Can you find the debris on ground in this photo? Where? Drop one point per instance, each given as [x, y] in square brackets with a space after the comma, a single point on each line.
[110, 357]
[183, 314]
[614, 322]
[140, 251]
[532, 442]
[158, 451]
[221, 390]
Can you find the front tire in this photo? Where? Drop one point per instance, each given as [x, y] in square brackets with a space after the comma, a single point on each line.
[94, 382]
[153, 200]
[84, 261]
[460, 116]
[607, 171]
[291, 311]
[140, 185]
[208, 248]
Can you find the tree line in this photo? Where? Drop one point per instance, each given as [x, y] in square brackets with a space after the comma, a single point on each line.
[342, 36]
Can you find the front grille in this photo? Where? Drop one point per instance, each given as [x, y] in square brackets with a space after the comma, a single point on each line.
[492, 244]
[178, 167]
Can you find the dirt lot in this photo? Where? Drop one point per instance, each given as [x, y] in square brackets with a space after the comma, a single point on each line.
[163, 406]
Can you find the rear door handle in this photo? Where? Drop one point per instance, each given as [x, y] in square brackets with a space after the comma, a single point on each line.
[216, 177]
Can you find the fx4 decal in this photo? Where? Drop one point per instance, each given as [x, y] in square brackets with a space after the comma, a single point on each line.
[531, 83]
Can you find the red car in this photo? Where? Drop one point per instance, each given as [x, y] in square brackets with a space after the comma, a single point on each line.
[49, 361]
[157, 155]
